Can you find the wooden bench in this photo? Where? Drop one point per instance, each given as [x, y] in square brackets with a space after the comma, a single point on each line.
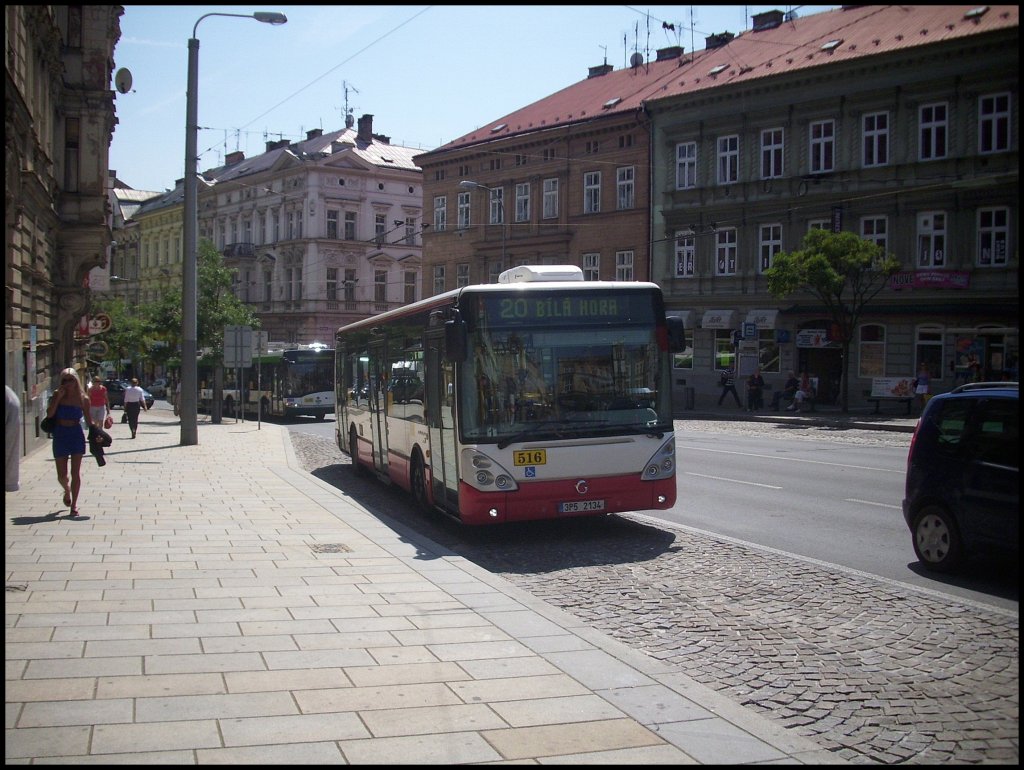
[891, 389]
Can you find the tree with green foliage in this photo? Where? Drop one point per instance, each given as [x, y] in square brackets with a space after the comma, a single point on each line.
[842, 270]
[126, 337]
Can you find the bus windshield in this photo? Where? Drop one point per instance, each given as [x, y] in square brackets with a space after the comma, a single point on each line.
[563, 379]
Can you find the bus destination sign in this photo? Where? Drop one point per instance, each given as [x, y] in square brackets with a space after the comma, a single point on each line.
[584, 308]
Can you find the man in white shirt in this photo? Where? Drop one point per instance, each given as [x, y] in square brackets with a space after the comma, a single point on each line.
[134, 402]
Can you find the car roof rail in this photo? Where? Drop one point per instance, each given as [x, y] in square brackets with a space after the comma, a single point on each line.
[985, 386]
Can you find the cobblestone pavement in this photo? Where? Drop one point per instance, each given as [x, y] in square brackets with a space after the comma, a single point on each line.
[874, 671]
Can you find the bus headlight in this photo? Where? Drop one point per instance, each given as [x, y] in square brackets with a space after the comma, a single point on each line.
[485, 474]
[662, 464]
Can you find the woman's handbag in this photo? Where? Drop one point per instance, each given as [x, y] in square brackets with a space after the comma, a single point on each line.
[108, 422]
[47, 425]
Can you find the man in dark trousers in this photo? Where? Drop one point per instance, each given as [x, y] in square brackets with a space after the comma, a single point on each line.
[728, 383]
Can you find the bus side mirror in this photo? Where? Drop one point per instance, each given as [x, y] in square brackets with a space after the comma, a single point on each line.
[676, 334]
[455, 340]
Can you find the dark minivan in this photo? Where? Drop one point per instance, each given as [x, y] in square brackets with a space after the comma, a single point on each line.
[962, 489]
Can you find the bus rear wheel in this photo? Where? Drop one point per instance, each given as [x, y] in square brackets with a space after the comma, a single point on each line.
[418, 482]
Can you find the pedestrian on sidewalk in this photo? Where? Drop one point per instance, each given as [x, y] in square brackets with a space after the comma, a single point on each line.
[99, 401]
[755, 391]
[805, 392]
[728, 383]
[68, 405]
[922, 385]
[12, 440]
[134, 402]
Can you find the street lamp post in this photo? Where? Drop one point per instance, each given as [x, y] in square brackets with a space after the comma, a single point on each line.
[189, 407]
[467, 184]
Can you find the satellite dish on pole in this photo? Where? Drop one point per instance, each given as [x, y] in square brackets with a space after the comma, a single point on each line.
[636, 60]
[123, 80]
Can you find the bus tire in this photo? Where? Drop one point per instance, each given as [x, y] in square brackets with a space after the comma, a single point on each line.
[418, 482]
[353, 450]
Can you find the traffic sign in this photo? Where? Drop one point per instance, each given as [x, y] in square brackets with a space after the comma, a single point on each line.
[97, 348]
[237, 346]
[99, 323]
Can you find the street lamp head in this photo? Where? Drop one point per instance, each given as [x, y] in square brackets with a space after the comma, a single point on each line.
[270, 17]
[467, 184]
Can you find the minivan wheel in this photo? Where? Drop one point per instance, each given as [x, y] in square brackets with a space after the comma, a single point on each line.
[936, 540]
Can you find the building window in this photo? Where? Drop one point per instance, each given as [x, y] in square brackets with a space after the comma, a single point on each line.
[725, 350]
[550, 154]
[293, 283]
[592, 267]
[350, 288]
[728, 159]
[725, 251]
[876, 230]
[770, 244]
[819, 224]
[410, 231]
[686, 165]
[332, 224]
[686, 252]
[871, 351]
[523, 202]
[933, 126]
[332, 284]
[994, 123]
[410, 286]
[684, 359]
[823, 138]
[440, 213]
[380, 227]
[993, 236]
[463, 211]
[626, 140]
[493, 271]
[496, 206]
[277, 224]
[462, 276]
[771, 153]
[268, 283]
[624, 265]
[71, 153]
[592, 192]
[380, 289]
[624, 186]
[550, 198]
[875, 133]
[931, 239]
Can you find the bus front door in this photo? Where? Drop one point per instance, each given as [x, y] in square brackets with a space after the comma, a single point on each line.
[440, 394]
[378, 406]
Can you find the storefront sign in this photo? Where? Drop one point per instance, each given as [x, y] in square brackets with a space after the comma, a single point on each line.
[930, 279]
[812, 338]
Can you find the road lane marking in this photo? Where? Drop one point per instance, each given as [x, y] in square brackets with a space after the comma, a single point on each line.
[793, 459]
[734, 481]
[872, 502]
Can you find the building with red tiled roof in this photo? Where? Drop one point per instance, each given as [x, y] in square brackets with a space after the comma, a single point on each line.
[898, 123]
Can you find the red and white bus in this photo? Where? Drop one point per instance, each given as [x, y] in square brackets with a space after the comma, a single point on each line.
[540, 396]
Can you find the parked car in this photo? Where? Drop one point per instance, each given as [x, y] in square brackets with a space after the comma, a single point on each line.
[158, 388]
[963, 488]
[116, 389]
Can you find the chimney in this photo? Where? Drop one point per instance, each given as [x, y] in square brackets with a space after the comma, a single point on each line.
[234, 157]
[672, 52]
[766, 20]
[313, 133]
[277, 144]
[717, 41]
[365, 132]
[596, 72]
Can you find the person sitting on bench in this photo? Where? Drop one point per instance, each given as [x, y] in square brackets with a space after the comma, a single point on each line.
[787, 393]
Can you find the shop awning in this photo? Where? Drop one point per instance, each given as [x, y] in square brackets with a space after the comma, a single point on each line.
[718, 319]
[686, 315]
[765, 319]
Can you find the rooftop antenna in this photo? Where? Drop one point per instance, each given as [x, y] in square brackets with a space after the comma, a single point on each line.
[605, 49]
[349, 117]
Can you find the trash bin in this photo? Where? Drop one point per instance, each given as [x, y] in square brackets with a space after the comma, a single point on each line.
[689, 398]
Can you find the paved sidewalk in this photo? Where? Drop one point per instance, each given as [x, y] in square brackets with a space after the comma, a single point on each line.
[217, 604]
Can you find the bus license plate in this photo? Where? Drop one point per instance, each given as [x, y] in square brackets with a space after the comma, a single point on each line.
[530, 457]
[580, 506]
